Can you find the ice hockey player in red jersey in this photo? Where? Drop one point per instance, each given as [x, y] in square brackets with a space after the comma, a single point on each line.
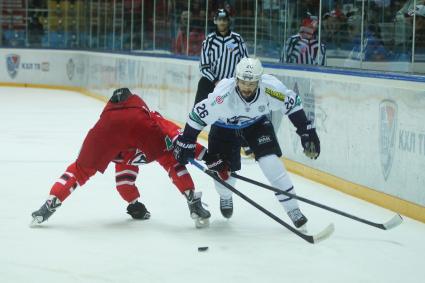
[128, 134]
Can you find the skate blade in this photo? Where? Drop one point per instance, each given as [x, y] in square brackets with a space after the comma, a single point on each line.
[147, 216]
[303, 229]
[36, 221]
[202, 223]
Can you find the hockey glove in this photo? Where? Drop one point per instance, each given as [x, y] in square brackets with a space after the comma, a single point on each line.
[309, 141]
[184, 149]
[217, 164]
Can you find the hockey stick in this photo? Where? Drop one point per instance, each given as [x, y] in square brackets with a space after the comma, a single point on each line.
[309, 238]
[393, 222]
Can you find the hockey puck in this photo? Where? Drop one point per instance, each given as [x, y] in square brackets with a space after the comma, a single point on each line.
[202, 249]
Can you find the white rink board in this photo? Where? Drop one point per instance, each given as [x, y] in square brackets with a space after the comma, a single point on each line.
[372, 130]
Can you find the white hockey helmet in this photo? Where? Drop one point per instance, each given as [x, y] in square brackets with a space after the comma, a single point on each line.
[249, 69]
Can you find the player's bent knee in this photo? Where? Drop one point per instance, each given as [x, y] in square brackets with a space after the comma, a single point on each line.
[181, 178]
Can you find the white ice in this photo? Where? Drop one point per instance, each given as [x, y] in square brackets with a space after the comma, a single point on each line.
[92, 239]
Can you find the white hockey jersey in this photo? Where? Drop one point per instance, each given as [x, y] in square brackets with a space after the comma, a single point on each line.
[225, 106]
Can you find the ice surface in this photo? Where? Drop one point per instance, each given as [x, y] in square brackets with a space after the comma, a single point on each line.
[92, 239]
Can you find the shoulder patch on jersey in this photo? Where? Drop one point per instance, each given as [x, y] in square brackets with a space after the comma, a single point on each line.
[275, 94]
[298, 101]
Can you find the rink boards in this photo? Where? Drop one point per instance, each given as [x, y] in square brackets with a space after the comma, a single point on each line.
[371, 128]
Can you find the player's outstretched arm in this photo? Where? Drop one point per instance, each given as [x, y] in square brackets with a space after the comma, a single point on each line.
[203, 113]
[290, 102]
[307, 132]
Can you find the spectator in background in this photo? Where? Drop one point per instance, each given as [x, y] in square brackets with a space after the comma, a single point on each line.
[196, 36]
[197, 16]
[373, 48]
[303, 48]
[227, 5]
[36, 31]
[335, 26]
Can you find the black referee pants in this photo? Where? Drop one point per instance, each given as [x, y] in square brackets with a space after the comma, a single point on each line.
[205, 87]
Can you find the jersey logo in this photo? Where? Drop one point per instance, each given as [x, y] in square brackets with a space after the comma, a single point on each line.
[231, 46]
[236, 120]
[275, 94]
[233, 121]
[138, 159]
[168, 143]
[220, 99]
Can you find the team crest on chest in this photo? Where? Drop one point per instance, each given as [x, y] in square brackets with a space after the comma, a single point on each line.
[231, 46]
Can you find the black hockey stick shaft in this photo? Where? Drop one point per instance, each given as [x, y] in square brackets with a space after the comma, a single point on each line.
[395, 221]
[210, 173]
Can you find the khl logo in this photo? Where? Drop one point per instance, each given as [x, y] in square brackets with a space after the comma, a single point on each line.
[387, 133]
[12, 64]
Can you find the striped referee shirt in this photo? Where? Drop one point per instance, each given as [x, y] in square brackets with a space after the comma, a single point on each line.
[221, 54]
[299, 50]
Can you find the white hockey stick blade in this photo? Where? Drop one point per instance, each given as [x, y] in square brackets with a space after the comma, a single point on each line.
[393, 222]
[326, 233]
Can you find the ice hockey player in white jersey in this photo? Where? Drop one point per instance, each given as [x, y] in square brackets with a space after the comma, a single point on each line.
[243, 103]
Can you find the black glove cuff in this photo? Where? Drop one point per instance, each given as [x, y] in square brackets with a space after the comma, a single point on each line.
[299, 120]
[190, 133]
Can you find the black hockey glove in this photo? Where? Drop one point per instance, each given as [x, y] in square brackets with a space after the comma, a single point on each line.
[185, 144]
[184, 149]
[218, 164]
[309, 141]
[138, 210]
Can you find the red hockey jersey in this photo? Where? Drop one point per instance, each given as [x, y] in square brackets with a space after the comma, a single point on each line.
[122, 127]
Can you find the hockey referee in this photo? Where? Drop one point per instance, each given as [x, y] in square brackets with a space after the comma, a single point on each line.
[221, 51]
[303, 48]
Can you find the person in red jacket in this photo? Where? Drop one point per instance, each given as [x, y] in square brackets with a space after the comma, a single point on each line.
[128, 134]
